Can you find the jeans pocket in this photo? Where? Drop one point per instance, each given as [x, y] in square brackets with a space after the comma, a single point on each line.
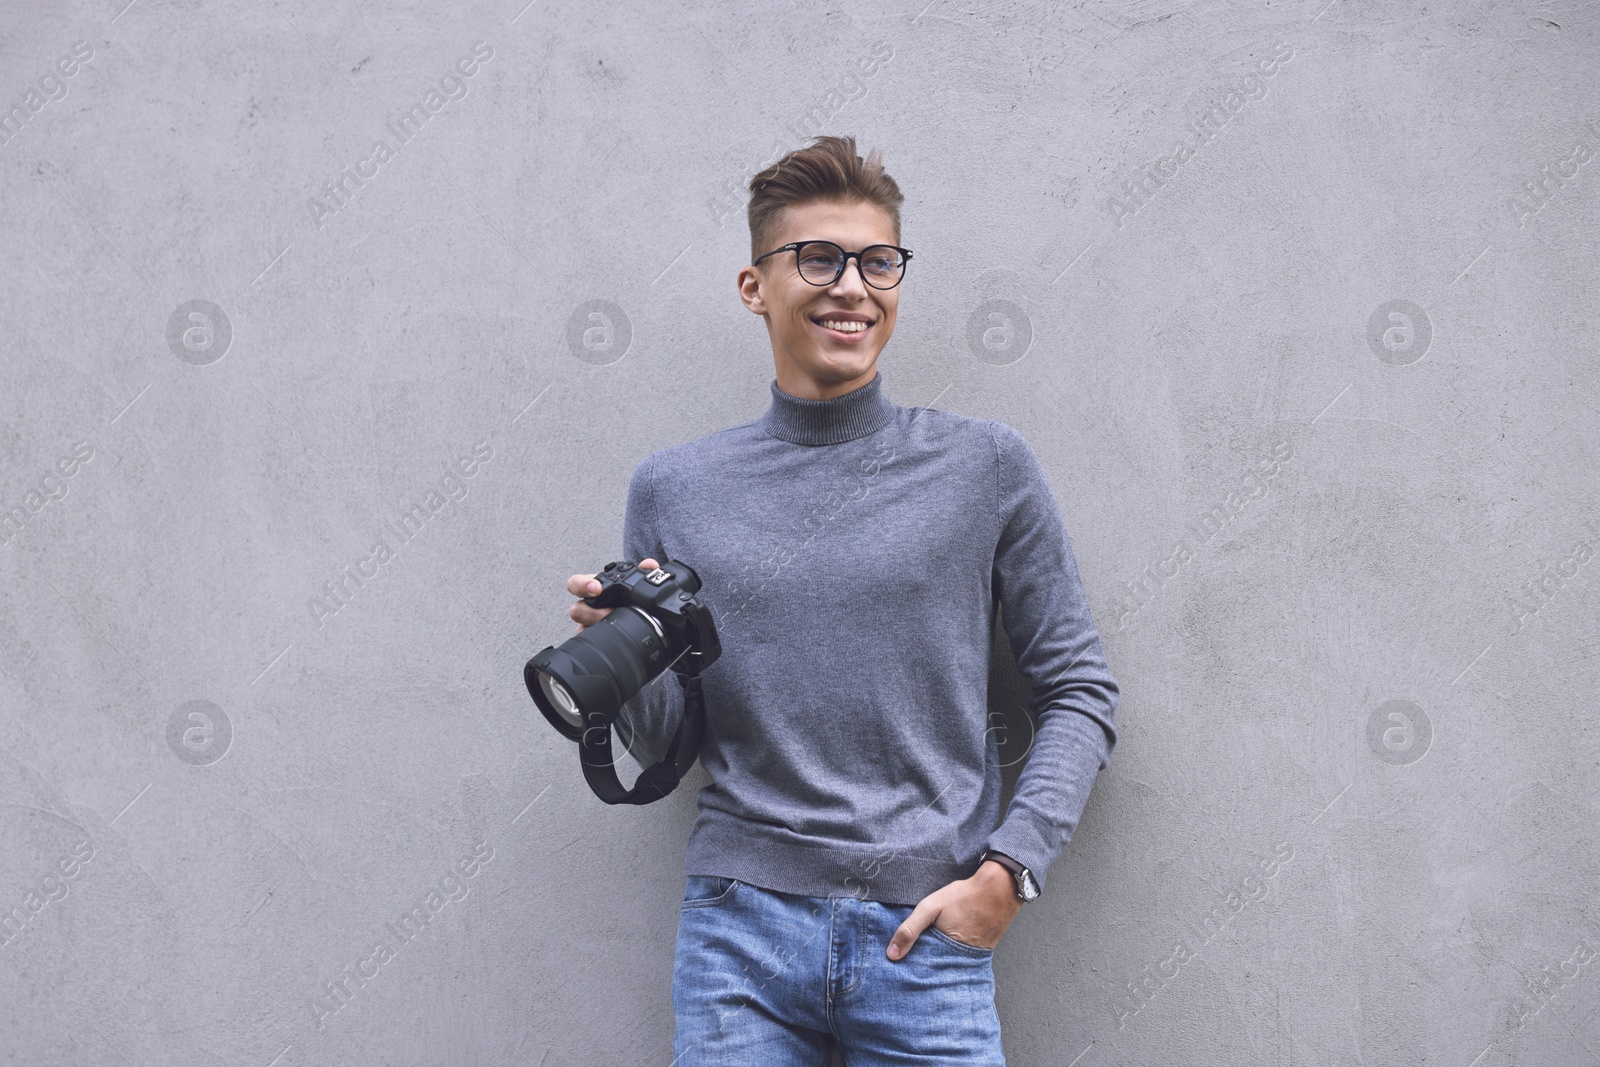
[707, 890]
[971, 950]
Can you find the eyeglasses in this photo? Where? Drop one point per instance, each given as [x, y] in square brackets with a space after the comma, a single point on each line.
[822, 262]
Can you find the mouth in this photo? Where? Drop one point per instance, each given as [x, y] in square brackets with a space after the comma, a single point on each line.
[844, 328]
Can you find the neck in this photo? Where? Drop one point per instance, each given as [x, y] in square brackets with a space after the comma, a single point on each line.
[828, 422]
[795, 382]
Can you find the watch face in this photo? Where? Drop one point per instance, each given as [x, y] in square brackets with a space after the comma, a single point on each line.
[1030, 888]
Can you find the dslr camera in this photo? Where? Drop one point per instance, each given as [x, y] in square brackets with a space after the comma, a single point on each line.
[656, 623]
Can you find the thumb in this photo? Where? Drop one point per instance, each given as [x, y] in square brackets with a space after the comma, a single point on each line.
[902, 940]
[921, 917]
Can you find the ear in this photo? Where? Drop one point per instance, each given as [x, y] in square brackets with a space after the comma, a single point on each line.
[749, 283]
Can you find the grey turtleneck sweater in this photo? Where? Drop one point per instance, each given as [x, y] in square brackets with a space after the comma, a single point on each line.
[852, 552]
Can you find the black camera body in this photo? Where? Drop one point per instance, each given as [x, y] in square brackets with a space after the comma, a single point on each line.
[656, 622]
[669, 597]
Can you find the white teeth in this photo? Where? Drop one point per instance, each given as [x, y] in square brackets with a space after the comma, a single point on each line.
[845, 327]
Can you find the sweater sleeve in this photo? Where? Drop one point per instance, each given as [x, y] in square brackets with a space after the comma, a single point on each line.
[1073, 696]
[648, 718]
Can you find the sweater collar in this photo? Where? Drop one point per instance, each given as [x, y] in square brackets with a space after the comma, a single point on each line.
[828, 422]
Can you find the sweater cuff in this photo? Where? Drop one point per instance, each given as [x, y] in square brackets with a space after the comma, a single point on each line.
[1023, 834]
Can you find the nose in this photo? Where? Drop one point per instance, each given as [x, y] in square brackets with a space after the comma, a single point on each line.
[850, 282]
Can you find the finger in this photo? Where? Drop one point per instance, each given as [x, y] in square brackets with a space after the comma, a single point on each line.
[582, 585]
[648, 564]
[584, 615]
[920, 919]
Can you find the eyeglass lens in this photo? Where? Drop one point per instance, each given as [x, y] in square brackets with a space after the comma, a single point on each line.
[881, 265]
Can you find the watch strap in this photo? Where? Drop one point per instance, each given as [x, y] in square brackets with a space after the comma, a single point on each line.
[1027, 887]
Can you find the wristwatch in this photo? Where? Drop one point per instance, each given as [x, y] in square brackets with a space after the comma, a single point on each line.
[1027, 885]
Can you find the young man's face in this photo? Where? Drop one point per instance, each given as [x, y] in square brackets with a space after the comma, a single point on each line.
[811, 360]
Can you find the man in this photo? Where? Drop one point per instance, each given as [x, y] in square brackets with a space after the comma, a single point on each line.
[848, 874]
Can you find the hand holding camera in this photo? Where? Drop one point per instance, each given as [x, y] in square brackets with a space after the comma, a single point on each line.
[583, 586]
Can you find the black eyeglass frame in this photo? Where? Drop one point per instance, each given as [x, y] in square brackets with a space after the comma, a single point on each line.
[844, 261]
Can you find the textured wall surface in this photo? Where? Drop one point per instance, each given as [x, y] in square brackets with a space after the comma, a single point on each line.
[311, 402]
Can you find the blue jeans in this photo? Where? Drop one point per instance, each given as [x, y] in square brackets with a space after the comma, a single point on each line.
[779, 980]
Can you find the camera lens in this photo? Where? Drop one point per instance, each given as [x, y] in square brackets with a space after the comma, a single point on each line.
[585, 680]
[561, 699]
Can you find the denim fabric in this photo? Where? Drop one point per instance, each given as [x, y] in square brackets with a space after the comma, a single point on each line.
[776, 979]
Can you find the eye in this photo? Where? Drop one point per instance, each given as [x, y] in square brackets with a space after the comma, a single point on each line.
[882, 260]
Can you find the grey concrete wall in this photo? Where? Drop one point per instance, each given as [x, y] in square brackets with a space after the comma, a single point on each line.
[1313, 375]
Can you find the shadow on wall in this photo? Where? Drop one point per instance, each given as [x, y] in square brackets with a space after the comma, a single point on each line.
[1008, 717]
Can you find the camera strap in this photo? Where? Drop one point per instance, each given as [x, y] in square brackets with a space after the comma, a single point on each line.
[599, 768]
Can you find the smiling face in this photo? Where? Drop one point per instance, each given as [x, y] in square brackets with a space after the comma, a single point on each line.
[812, 360]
